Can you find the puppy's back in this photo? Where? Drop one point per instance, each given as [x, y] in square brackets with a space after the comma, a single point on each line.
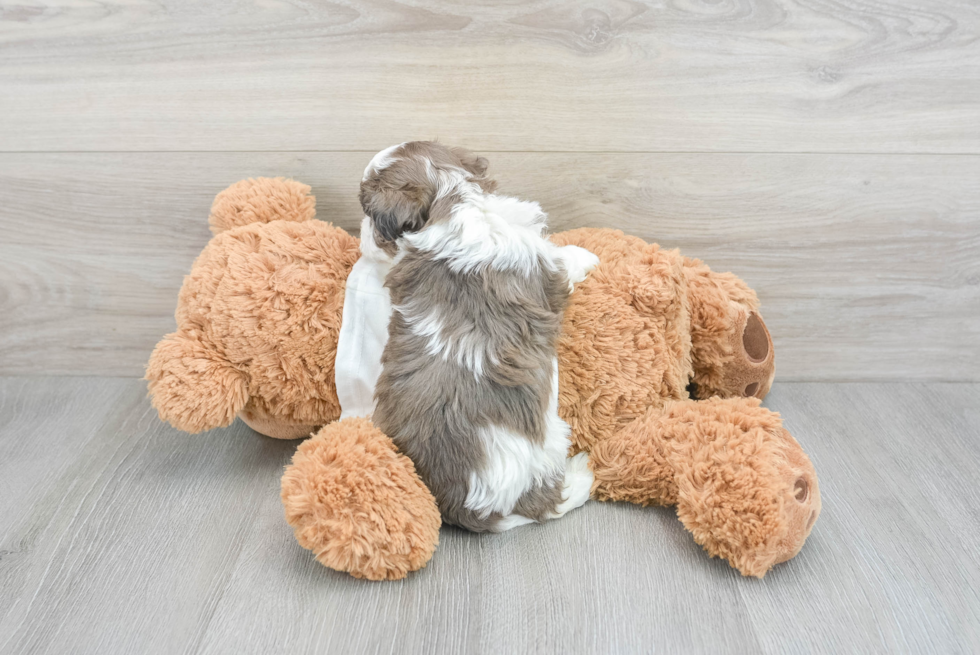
[468, 367]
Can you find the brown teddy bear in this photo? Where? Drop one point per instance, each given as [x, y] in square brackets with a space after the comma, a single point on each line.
[649, 331]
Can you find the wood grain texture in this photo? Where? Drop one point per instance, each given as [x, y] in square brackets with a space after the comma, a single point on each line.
[138, 538]
[867, 265]
[827, 152]
[620, 75]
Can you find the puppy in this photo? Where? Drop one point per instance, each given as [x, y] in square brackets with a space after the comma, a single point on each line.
[468, 387]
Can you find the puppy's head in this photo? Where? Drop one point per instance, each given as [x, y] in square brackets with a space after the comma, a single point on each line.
[401, 183]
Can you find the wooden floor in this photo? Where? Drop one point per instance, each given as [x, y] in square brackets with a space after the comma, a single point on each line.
[121, 535]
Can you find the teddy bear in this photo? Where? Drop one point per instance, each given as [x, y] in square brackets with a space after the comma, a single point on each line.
[663, 364]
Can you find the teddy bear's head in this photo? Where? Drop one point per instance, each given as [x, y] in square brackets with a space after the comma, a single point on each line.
[731, 350]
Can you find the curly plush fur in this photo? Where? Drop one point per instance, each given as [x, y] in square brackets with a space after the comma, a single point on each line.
[261, 200]
[625, 344]
[741, 483]
[358, 504]
[258, 319]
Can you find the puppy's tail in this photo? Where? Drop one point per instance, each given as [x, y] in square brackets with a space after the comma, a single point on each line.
[261, 200]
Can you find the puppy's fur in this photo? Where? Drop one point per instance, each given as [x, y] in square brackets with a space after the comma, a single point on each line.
[469, 375]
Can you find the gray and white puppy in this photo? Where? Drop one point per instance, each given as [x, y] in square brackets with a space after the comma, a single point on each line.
[468, 386]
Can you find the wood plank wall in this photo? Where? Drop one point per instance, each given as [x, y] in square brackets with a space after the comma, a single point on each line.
[828, 153]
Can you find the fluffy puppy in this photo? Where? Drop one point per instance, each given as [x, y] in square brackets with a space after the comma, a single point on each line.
[468, 385]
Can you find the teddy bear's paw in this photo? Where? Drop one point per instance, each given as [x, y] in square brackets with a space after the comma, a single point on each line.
[579, 262]
[358, 504]
[192, 386]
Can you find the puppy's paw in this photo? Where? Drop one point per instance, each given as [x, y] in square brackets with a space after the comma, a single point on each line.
[579, 262]
[578, 484]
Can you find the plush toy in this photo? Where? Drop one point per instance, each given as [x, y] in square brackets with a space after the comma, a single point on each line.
[662, 365]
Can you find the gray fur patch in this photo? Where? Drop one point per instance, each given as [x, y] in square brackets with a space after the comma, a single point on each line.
[433, 406]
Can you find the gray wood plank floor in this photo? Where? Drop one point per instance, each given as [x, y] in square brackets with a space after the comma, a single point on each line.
[121, 535]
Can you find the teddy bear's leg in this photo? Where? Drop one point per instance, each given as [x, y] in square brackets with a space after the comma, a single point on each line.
[742, 485]
[272, 427]
[193, 387]
[358, 504]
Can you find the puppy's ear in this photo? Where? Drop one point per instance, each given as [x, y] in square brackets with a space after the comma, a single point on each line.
[477, 167]
[471, 161]
[394, 211]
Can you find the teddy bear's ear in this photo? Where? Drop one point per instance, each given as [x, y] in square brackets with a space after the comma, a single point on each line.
[261, 200]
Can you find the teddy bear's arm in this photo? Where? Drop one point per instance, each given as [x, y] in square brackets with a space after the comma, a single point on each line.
[192, 386]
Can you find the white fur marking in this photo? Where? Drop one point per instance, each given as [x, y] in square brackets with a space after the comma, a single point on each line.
[578, 484]
[381, 161]
[467, 350]
[512, 521]
[579, 262]
[487, 230]
[515, 464]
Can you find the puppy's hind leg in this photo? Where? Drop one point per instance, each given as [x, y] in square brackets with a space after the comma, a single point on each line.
[577, 486]
[575, 490]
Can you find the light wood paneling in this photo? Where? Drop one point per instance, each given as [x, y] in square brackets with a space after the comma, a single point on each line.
[121, 535]
[613, 75]
[868, 266]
